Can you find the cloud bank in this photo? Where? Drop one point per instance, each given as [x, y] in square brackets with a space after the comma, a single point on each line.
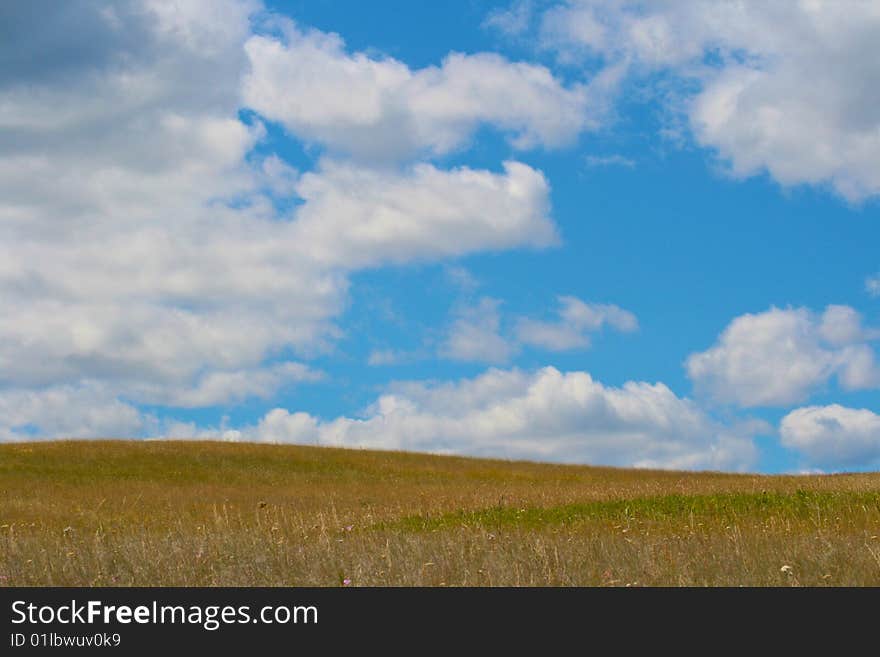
[144, 242]
[544, 415]
[787, 88]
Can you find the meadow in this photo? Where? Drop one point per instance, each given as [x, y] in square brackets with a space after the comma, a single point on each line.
[130, 513]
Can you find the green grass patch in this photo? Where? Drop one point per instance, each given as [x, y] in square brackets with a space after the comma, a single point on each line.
[726, 507]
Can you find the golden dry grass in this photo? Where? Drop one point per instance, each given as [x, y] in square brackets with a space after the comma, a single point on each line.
[203, 514]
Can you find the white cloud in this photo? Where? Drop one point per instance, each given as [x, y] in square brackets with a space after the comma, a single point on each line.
[781, 356]
[93, 408]
[83, 411]
[545, 415]
[358, 217]
[793, 88]
[834, 436]
[279, 425]
[594, 316]
[841, 325]
[379, 108]
[475, 335]
[576, 320]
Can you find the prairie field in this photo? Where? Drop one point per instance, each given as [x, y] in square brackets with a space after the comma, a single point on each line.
[166, 513]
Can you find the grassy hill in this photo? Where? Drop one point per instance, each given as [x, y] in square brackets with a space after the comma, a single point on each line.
[203, 513]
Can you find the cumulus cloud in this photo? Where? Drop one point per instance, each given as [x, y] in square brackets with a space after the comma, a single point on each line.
[872, 285]
[780, 356]
[834, 436]
[357, 217]
[142, 247]
[791, 88]
[546, 415]
[379, 108]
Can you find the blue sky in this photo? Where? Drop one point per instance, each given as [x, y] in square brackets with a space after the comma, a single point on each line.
[618, 233]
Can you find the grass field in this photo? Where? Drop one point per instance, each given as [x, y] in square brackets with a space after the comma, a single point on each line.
[201, 513]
